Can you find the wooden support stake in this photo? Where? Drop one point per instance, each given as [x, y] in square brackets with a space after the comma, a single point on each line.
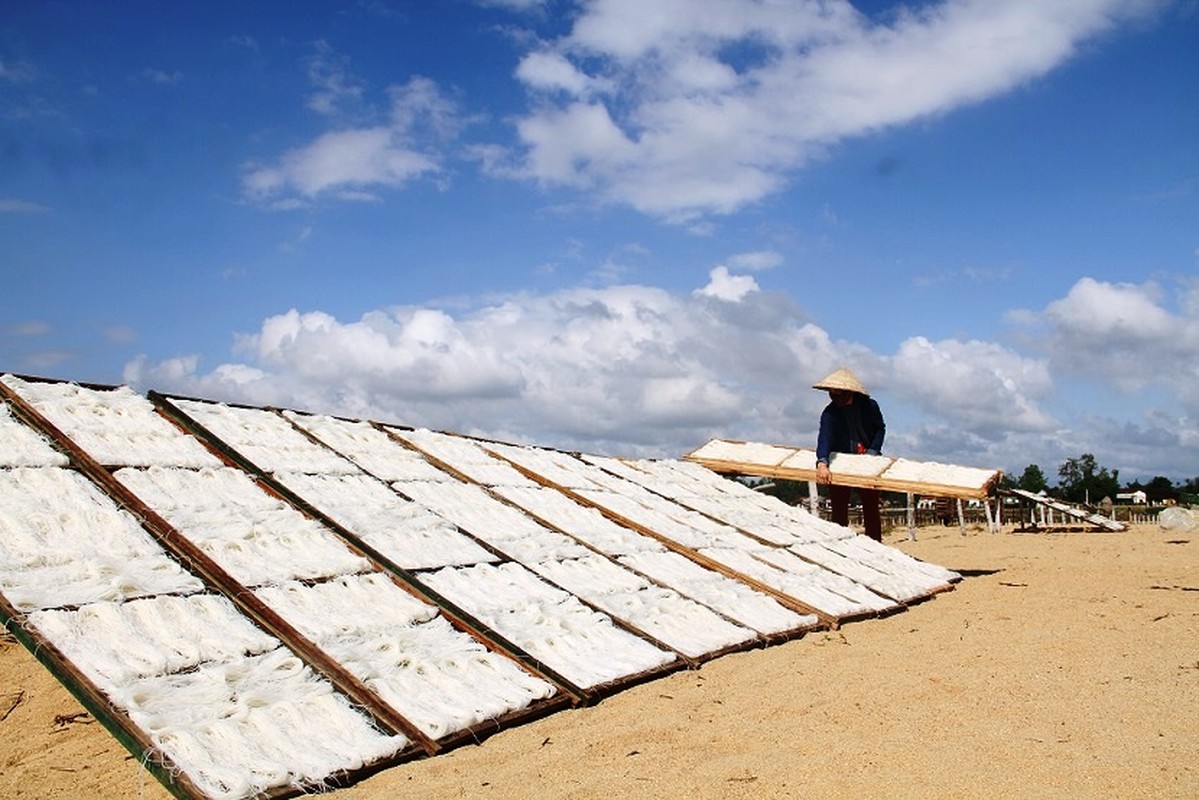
[911, 517]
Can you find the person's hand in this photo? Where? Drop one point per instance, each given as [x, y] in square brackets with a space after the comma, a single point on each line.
[822, 475]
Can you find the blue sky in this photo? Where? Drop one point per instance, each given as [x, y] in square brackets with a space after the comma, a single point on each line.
[624, 226]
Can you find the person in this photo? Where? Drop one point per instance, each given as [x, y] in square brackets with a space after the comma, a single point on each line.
[852, 422]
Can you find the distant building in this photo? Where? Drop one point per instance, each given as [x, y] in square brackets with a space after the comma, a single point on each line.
[1137, 498]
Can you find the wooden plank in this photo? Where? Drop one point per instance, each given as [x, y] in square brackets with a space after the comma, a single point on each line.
[1080, 514]
[878, 481]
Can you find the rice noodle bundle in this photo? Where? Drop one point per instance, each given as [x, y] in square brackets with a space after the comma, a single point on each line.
[893, 559]
[733, 598]
[679, 622]
[372, 449]
[825, 578]
[552, 626]
[582, 522]
[116, 643]
[115, 426]
[91, 578]
[438, 677]
[467, 457]
[258, 538]
[766, 517]
[406, 532]
[265, 438]
[895, 586]
[264, 722]
[558, 468]
[22, 446]
[630, 509]
[804, 587]
[62, 542]
[350, 605]
[472, 509]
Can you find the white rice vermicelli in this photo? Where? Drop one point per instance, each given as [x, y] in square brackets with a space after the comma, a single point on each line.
[115, 427]
[240, 728]
[266, 438]
[467, 457]
[22, 446]
[372, 449]
[406, 532]
[63, 542]
[582, 645]
[438, 677]
[258, 538]
[116, 643]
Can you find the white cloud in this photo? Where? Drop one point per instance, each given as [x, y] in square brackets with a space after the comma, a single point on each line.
[698, 107]
[162, 77]
[16, 72]
[13, 206]
[336, 90]
[638, 370]
[353, 159]
[1124, 335]
[623, 367]
[982, 387]
[730, 288]
[353, 163]
[756, 260]
[553, 72]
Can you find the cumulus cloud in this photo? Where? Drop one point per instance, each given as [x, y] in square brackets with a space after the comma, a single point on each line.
[724, 286]
[335, 89]
[1124, 338]
[623, 368]
[687, 108]
[626, 367]
[986, 389]
[638, 370]
[758, 259]
[1125, 333]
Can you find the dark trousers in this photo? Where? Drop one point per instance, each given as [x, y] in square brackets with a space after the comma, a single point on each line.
[839, 497]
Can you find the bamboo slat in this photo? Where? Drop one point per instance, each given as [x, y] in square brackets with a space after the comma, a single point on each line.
[770, 461]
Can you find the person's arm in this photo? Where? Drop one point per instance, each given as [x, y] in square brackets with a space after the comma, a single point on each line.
[880, 428]
[824, 446]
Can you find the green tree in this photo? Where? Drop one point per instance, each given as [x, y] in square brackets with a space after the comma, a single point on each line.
[1082, 480]
[1032, 480]
[1162, 488]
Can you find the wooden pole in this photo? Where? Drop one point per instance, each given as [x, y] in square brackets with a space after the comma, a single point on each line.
[813, 499]
[911, 517]
[961, 518]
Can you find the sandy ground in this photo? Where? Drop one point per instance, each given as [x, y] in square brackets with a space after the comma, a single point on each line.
[1064, 665]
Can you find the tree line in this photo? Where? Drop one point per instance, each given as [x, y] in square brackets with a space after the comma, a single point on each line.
[1084, 480]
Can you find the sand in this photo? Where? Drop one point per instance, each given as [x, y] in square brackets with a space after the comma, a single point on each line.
[1064, 665]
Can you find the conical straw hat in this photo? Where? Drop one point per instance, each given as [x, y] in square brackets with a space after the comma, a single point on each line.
[842, 379]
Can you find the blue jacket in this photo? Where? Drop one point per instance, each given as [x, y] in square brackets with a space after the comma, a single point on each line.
[836, 435]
